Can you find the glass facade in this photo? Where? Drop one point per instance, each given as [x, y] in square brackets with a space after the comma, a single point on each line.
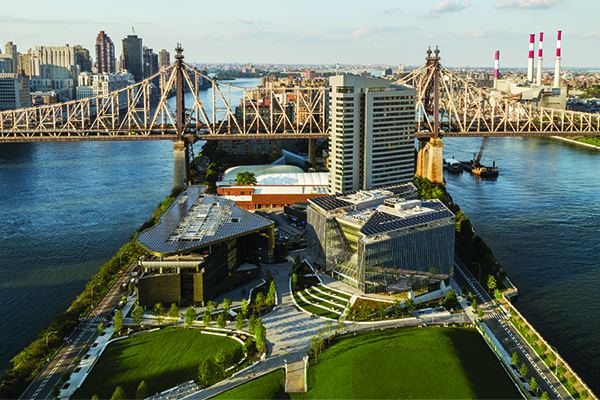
[416, 258]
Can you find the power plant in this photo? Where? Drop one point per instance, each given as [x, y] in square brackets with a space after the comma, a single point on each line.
[529, 90]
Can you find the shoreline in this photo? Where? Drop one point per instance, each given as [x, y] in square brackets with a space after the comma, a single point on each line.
[576, 142]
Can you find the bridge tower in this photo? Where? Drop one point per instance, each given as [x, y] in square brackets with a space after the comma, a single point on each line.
[181, 163]
[430, 161]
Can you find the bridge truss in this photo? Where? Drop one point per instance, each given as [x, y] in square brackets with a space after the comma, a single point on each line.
[466, 110]
[138, 113]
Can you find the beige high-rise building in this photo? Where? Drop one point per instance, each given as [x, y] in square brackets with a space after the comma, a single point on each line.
[371, 132]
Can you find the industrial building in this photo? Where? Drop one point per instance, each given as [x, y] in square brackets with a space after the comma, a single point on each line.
[203, 247]
[372, 125]
[276, 186]
[382, 240]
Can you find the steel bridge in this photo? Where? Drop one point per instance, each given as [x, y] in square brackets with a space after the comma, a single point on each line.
[446, 105]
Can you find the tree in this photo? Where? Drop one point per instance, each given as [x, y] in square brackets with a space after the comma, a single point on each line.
[226, 304]
[244, 308]
[95, 397]
[252, 324]
[174, 313]
[523, 370]
[498, 294]
[66, 375]
[210, 306]
[381, 310]
[245, 178]
[294, 281]
[240, 322]
[474, 305]
[584, 394]
[271, 295]
[316, 343]
[533, 384]
[397, 308]
[572, 381]
[101, 327]
[450, 301]
[159, 313]
[206, 372]
[480, 313]
[364, 313]
[77, 361]
[119, 394]
[142, 391]
[206, 319]
[118, 322]
[350, 314]
[190, 316]
[410, 305]
[268, 276]
[137, 315]
[222, 320]
[261, 336]
[259, 301]
[55, 391]
[545, 396]
[491, 283]
[514, 358]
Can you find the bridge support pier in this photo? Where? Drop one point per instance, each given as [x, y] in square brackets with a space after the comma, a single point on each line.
[181, 162]
[311, 152]
[430, 161]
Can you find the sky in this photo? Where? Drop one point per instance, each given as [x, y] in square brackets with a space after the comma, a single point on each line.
[468, 32]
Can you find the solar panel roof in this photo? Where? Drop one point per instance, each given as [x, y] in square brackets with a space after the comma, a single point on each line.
[382, 222]
[334, 201]
[193, 221]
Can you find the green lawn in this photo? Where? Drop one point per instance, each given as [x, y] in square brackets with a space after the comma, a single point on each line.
[334, 292]
[314, 309]
[325, 295]
[163, 359]
[417, 363]
[313, 298]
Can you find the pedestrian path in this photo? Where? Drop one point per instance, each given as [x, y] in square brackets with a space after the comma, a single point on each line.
[294, 377]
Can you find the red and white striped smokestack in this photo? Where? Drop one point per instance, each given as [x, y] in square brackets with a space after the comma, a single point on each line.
[539, 67]
[530, 61]
[497, 65]
[557, 65]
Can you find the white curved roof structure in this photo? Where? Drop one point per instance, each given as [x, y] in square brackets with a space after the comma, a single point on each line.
[294, 179]
[229, 176]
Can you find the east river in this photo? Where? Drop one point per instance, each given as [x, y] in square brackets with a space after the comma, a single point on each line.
[67, 207]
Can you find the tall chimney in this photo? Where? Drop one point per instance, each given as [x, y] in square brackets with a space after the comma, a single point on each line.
[496, 68]
[530, 61]
[557, 65]
[539, 67]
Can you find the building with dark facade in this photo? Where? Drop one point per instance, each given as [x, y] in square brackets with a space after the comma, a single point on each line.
[132, 58]
[203, 246]
[150, 62]
[82, 58]
[105, 54]
[382, 240]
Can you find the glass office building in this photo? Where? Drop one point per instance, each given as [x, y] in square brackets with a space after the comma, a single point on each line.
[382, 240]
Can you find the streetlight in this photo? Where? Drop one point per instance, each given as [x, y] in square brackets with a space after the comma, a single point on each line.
[92, 294]
[474, 262]
[555, 352]
[49, 335]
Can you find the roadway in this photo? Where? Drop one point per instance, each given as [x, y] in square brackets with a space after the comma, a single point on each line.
[85, 332]
[506, 334]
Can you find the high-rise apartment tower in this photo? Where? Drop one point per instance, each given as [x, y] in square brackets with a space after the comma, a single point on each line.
[372, 132]
[132, 58]
[164, 59]
[105, 54]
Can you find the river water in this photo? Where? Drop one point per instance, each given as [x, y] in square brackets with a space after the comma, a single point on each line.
[541, 217]
[67, 207]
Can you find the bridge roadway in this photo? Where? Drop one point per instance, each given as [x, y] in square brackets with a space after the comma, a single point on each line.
[35, 136]
[511, 340]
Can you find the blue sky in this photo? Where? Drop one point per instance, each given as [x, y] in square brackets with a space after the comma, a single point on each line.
[467, 31]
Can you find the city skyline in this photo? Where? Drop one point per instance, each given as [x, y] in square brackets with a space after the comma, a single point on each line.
[468, 32]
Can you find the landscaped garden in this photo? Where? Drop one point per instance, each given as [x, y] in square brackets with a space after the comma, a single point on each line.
[430, 363]
[163, 359]
[321, 300]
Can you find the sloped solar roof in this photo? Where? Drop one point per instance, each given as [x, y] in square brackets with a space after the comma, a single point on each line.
[193, 221]
[334, 202]
[382, 222]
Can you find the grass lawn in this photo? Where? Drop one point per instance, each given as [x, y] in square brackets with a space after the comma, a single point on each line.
[316, 300]
[314, 309]
[334, 292]
[324, 295]
[163, 359]
[432, 363]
